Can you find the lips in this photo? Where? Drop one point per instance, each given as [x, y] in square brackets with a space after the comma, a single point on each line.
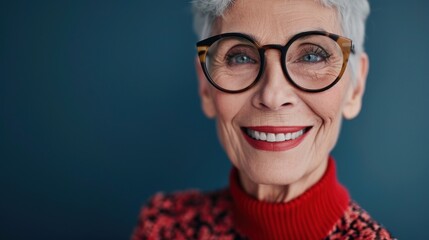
[270, 138]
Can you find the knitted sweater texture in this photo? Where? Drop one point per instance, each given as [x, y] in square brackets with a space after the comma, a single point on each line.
[325, 211]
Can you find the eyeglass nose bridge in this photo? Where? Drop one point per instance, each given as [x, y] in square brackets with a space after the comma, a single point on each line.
[282, 50]
[273, 46]
[278, 47]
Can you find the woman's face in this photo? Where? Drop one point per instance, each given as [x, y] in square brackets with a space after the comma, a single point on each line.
[274, 106]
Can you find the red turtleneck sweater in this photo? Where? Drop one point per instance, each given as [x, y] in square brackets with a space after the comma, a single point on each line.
[324, 211]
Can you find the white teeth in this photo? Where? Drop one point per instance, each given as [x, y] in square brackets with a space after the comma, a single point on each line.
[280, 137]
[257, 135]
[262, 136]
[294, 135]
[273, 137]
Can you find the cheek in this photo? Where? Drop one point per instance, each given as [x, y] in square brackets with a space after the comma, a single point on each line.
[328, 105]
[226, 110]
[228, 106]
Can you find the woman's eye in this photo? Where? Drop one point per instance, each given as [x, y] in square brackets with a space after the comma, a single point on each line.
[312, 58]
[239, 59]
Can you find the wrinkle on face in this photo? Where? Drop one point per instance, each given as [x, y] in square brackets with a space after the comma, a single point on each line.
[276, 10]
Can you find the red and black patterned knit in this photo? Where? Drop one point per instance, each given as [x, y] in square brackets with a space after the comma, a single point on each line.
[325, 211]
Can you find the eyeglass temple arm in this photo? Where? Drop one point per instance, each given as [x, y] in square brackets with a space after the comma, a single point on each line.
[202, 50]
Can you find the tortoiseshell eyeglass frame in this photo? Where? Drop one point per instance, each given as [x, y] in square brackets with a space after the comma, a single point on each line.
[344, 43]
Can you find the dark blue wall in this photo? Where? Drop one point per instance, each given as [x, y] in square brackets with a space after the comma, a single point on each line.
[99, 110]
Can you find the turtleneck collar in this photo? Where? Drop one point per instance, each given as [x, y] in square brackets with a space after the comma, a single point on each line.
[310, 216]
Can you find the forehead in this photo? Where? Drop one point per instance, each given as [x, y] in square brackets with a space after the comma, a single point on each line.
[276, 21]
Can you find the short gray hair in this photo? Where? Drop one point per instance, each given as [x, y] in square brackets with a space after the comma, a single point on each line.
[352, 15]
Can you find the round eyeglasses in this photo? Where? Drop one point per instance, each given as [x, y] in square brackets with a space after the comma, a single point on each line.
[312, 61]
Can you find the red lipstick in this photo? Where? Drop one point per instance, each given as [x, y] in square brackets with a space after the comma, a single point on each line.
[271, 138]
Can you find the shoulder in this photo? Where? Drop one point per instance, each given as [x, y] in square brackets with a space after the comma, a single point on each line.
[356, 223]
[184, 215]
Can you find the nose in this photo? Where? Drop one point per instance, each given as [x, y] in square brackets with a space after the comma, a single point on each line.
[274, 92]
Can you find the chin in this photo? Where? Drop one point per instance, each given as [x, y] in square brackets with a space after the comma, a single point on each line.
[276, 170]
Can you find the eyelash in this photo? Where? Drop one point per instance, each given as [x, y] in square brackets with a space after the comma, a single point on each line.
[317, 51]
[229, 57]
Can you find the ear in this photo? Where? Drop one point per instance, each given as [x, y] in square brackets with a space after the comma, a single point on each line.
[204, 90]
[353, 103]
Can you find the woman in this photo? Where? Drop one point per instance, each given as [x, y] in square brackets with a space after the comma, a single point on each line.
[278, 77]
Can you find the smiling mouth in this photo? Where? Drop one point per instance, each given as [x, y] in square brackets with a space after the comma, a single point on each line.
[274, 135]
[275, 138]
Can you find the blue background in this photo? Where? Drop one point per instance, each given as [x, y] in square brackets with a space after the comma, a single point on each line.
[99, 110]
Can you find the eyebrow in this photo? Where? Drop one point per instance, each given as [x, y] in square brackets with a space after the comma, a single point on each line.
[256, 39]
[252, 37]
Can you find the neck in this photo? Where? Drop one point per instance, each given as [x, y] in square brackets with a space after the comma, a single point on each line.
[310, 215]
[282, 193]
